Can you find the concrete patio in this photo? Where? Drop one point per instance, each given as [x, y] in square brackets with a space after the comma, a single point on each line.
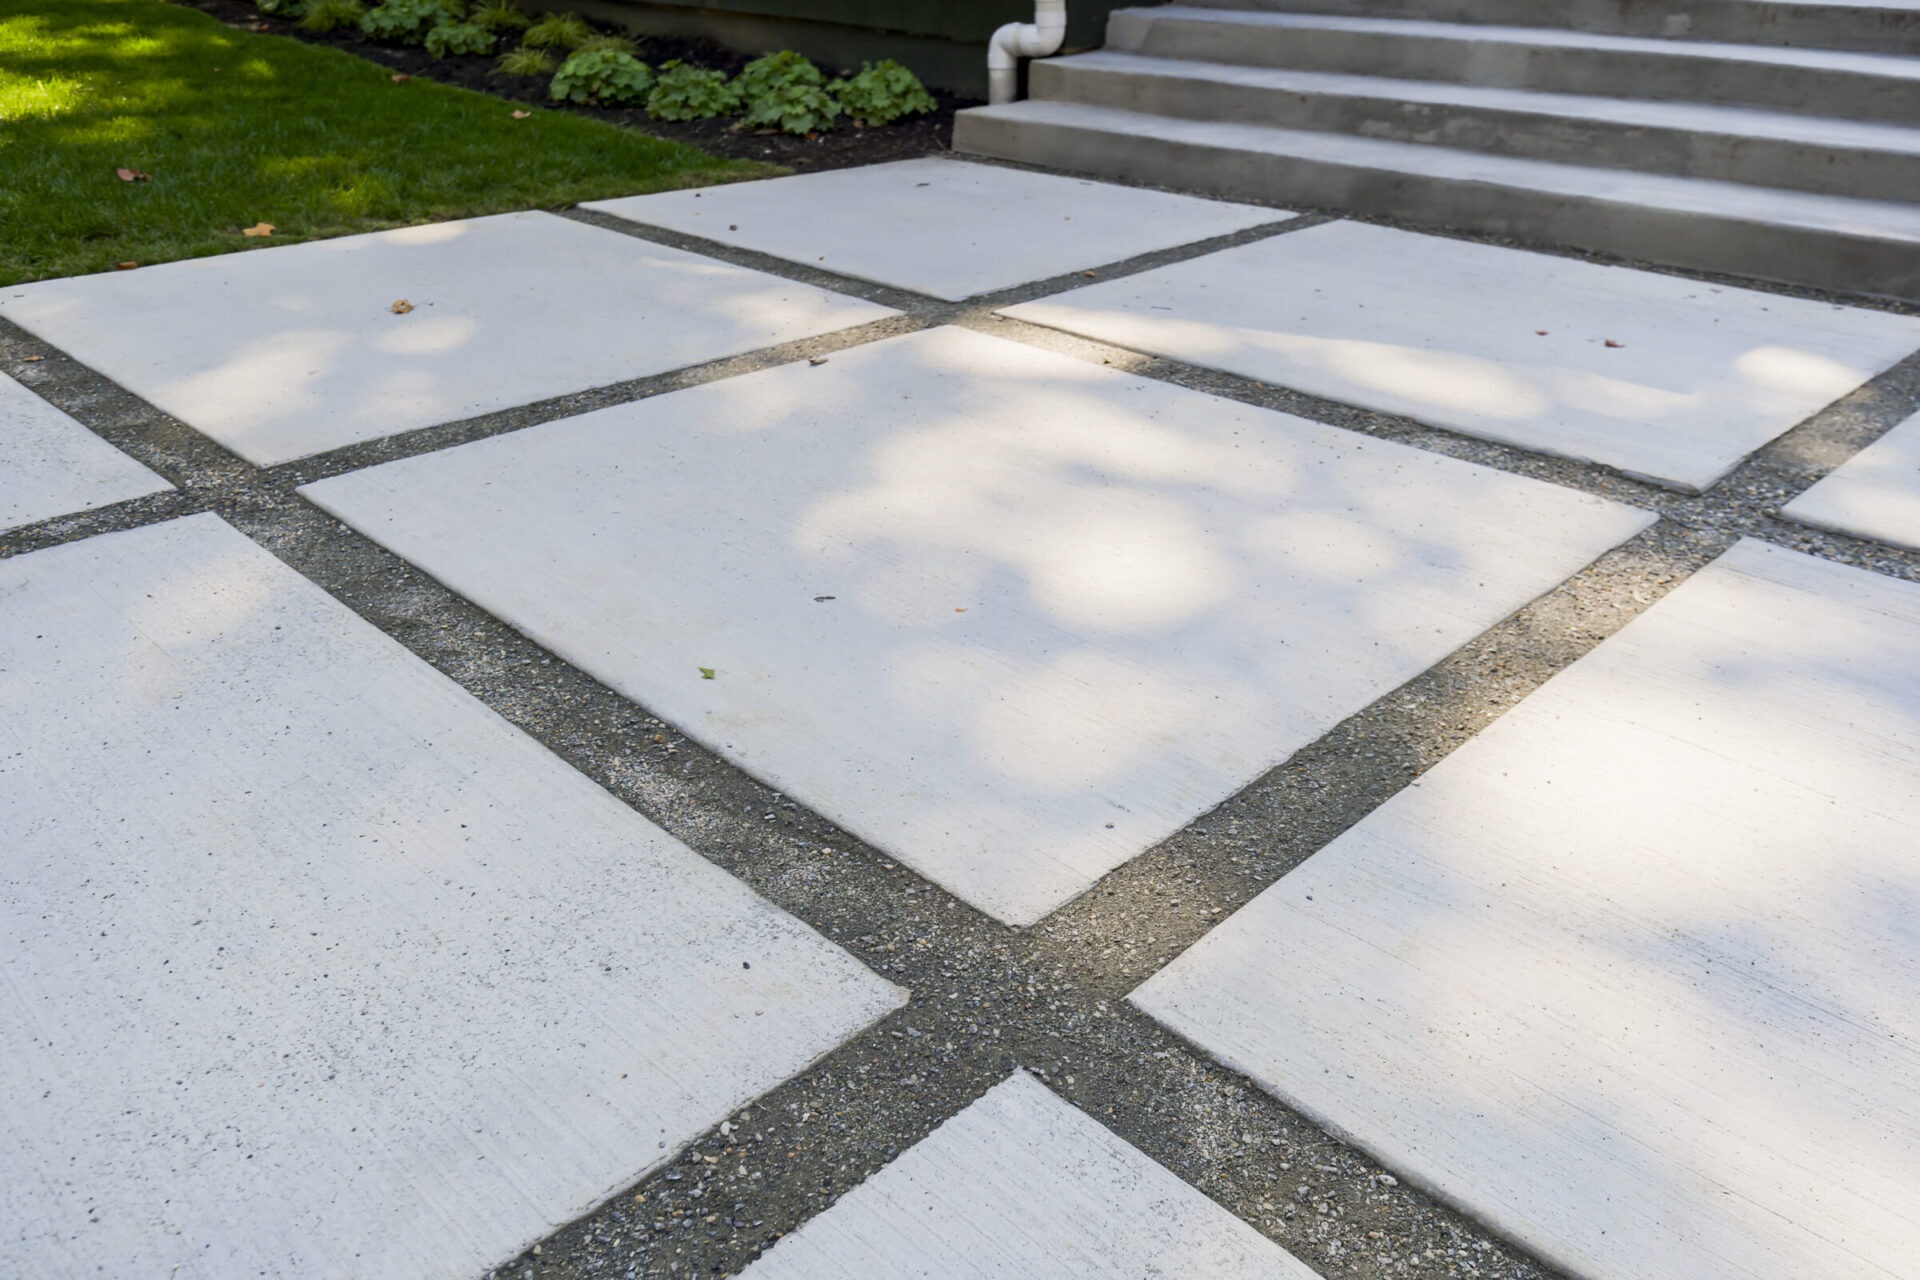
[945, 720]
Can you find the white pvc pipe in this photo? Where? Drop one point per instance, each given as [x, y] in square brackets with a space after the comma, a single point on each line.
[1018, 40]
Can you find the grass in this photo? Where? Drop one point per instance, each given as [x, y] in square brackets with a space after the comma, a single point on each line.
[236, 129]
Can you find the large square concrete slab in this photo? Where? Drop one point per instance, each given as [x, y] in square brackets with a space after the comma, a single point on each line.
[1011, 616]
[1669, 379]
[1632, 976]
[1024, 1186]
[316, 967]
[280, 353]
[942, 227]
[1875, 494]
[50, 465]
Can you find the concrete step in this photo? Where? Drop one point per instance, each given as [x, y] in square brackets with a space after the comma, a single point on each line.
[1865, 26]
[1829, 242]
[1734, 144]
[1856, 86]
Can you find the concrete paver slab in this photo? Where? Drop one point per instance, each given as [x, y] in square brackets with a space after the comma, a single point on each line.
[280, 353]
[1008, 615]
[1024, 1186]
[50, 465]
[1631, 975]
[1669, 379]
[314, 966]
[1875, 494]
[942, 227]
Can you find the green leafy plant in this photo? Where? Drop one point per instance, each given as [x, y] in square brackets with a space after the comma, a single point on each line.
[784, 91]
[604, 76]
[596, 44]
[797, 109]
[776, 72]
[282, 8]
[405, 21]
[558, 31]
[459, 37]
[499, 15]
[331, 15]
[681, 92]
[526, 62]
[883, 93]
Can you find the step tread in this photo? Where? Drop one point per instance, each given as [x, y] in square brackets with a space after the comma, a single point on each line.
[1882, 220]
[1737, 121]
[1892, 66]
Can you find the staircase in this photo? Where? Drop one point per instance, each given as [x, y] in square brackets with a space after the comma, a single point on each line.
[1772, 139]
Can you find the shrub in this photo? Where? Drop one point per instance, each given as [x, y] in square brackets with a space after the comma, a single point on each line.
[459, 37]
[526, 62]
[883, 93]
[596, 44]
[405, 21]
[557, 31]
[605, 76]
[499, 15]
[784, 91]
[681, 92]
[331, 15]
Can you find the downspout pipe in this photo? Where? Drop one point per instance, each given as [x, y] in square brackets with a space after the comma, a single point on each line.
[1017, 40]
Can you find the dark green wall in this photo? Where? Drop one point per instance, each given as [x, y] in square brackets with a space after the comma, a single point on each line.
[944, 41]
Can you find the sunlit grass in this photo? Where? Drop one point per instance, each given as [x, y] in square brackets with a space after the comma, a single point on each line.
[236, 129]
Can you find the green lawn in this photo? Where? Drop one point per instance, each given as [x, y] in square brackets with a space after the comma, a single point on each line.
[236, 129]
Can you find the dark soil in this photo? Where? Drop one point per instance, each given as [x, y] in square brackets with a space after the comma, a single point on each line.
[843, 148]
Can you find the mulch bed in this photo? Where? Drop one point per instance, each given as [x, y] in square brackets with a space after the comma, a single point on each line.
[842, 148]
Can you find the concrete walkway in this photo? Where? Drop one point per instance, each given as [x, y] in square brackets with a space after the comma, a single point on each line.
[944, 720]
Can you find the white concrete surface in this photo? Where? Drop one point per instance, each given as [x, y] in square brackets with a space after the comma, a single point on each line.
[1502, 344]
[50, 465]
[1875, 494]
[942, 227]
[1022, 1185]
[1631, 975]
[315, 967]
[1011, 616]
[280, 353]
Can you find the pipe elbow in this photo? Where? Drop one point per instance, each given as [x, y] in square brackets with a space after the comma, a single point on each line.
[1016, 40]
[1003, 47]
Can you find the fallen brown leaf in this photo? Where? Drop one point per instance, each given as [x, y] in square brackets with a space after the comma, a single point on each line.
[132, 175]
[522, 115]
[401, 307]
[1541, 332]
[35, 359]
[1612, 343]
[401, 77]
[125, 266]
[258, 229]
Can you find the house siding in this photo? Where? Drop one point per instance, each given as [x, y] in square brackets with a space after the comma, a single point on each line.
[944, 41]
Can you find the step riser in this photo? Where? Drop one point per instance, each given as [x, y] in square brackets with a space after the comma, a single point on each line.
[1729, 245]
[1802, 166]
[1799, 26]
[1496, 64]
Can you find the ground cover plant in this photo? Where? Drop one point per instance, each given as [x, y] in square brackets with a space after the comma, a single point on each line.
[585, 66]
[681, 92]
[133, 131]
[602, 75]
